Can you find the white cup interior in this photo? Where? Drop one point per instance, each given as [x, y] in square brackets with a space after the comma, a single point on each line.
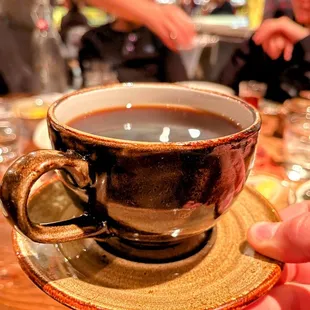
[137, 94]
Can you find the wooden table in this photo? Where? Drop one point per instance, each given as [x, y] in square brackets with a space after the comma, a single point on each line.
[17, 292]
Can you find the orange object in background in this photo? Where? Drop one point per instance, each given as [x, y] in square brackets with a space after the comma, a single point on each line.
[252, 100]
[252, 92]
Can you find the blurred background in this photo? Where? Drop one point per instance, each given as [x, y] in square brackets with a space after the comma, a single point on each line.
[50, 28]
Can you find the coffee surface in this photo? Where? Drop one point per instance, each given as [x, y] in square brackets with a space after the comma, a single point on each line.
[155, 123]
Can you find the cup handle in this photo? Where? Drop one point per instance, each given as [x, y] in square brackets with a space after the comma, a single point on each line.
[15, 190]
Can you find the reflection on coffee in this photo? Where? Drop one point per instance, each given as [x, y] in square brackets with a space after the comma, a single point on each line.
[155, 123]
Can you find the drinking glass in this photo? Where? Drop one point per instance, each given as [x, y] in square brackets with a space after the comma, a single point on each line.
[97, 73]
[191, 57]
[252, 92]
[297, 138]
[208, 6]
[8, 134]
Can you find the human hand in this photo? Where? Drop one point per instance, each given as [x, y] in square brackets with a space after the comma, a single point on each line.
[172, 25]
[279, 36]
[277, 45]
[289, 242]
[169, 22]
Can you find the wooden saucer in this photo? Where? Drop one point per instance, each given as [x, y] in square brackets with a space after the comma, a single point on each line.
[82, 275]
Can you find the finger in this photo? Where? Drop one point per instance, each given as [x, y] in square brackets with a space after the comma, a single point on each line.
[163, 33]
[275, 48]
[270, 49]
[299, 273]
[288, 241]
[273, 27]
[295, 210]
[265, 47]
[264, 32]
[184, 22]
[292, 31]
[288, 51]
[160, 28]
[173, 34]
[284, 26]
[280, 43]
[185, 37]
[179, 31]
[183, 29]
[268, 29]
[288, 296]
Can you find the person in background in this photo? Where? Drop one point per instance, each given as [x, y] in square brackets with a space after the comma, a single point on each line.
[15, 72]
[16, 50]
[173, 26]
[278, 54]
[278, 8]
[16, 29]
[132, 51]
[74, 18]
[213, 7]
[224, 8]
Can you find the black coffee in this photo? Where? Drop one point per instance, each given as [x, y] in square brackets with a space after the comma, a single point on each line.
[155, 123]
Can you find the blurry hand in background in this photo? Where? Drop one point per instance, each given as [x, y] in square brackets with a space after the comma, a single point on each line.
[169, 22]
[278, 36]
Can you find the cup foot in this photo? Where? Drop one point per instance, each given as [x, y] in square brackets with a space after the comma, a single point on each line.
[159, 253]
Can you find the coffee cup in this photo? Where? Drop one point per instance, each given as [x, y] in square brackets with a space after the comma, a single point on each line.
[148, 192]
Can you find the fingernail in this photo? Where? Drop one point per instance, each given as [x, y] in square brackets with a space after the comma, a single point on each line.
[264, 231]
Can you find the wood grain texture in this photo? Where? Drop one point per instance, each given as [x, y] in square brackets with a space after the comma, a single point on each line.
[17, 292]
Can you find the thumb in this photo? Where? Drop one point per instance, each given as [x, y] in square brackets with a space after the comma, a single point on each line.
[288, 241]
[288, 296]
[288, 51]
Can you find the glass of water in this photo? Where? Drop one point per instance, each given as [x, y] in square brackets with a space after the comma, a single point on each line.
[252, 92]
[297, 138]
[8, 134]
[97, 73]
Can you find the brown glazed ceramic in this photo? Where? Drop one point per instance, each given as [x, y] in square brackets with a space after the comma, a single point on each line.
[142, 192]
[83, 275]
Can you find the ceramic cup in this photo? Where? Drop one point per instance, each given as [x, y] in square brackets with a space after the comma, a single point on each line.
[144, 192]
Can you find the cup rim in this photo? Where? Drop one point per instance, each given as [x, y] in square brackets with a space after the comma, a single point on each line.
[123, 143]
